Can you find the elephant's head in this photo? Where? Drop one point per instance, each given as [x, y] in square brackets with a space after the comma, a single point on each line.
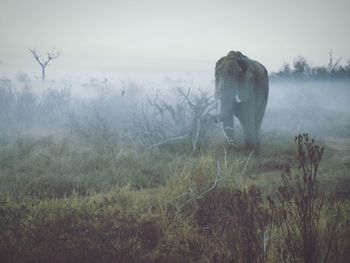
[235, 73]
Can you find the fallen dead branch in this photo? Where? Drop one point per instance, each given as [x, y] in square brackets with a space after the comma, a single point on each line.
[171, 140]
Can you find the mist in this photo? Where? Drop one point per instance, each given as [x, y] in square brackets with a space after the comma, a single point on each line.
[32, 107]
[112, 142]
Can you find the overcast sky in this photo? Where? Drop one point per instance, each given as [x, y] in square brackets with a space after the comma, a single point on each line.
[142, 36]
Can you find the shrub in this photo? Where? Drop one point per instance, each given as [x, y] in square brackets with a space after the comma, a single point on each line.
[299, 209]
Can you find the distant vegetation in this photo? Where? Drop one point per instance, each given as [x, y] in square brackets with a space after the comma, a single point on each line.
[302, 70]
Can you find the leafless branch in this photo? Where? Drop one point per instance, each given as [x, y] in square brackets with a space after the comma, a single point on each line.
[155, 104]
[36, 56]
[169, 141]
[50, 56]
[246, 163]
[216, 181]
[228, 139]
[198, 196]
[190, 103]
[196, 135]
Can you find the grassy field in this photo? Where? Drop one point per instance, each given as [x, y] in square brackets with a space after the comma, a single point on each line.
[98, 180]
[65, 201]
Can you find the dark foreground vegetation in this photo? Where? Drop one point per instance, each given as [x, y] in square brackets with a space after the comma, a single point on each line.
[61, 204]
[116, 180]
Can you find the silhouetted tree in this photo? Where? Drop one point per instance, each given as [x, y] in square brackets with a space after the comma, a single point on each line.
[44, 63]
[301, 67]
[286, 68]
[285, 71]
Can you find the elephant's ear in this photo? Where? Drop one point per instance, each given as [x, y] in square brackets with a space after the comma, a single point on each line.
[217, 68]
[248, 69]
[218, 64]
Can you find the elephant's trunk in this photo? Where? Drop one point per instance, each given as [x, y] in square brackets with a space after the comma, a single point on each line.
[228, 86]
[241, 92]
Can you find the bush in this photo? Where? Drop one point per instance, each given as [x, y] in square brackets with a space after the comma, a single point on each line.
[299, 209]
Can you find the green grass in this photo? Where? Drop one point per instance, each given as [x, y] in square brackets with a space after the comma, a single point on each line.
[65, 200]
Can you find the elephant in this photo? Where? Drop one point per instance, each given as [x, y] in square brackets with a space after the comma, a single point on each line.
[242, 85]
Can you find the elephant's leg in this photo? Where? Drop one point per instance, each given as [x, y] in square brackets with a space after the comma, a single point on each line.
[229, 127]
[250, 135]
[247, 119]
[226, 112]
[259, 115]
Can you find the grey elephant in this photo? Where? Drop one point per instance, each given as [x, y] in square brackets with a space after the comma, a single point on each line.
[242, 85]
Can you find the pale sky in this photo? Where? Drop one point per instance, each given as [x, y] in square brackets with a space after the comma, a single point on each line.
[129, 37]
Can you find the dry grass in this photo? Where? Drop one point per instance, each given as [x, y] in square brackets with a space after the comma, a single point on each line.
[169, 206]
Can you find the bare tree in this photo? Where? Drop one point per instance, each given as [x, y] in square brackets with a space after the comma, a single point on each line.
[332, 65]
[187, 118]
[44, 63]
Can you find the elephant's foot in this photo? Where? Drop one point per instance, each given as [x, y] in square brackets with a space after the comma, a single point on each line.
[252, 146]
[250, 139]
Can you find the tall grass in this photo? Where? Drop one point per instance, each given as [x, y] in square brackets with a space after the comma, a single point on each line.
[201, 208]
